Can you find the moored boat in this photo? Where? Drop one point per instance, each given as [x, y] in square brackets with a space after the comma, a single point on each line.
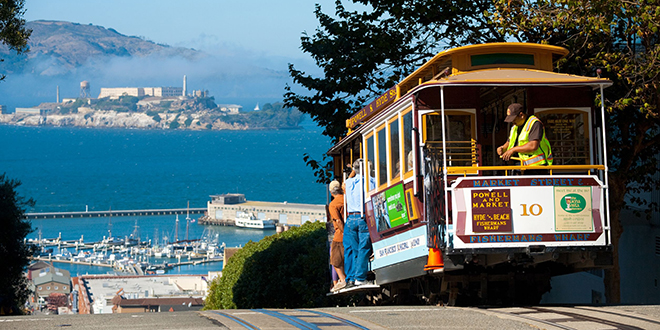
[248, 220]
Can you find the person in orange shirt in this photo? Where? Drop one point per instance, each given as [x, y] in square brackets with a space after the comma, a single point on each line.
[336, 210]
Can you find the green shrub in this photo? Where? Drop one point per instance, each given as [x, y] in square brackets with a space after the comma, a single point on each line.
[287, 270]
[174, 124]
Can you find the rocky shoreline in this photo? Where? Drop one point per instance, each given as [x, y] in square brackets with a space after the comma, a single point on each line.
[114, 119]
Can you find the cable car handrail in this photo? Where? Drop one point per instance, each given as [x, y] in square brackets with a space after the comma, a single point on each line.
[464, 169]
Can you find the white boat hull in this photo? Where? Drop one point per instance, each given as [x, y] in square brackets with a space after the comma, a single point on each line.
[255, 224]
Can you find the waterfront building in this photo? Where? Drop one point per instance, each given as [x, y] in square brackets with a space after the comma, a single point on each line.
[229, 206]
[48, 279]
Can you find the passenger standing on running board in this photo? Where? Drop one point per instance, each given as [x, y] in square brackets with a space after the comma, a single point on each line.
[357, 243]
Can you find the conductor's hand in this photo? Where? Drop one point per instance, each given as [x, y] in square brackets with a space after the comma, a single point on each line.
[507, 154]
[500, 151]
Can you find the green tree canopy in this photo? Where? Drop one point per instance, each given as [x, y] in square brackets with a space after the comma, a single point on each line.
[12, 27]
[364, 53]
[287, 270]
[14, 252]
[622, 39]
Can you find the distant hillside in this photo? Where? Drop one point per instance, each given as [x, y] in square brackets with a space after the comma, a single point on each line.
[57, 47]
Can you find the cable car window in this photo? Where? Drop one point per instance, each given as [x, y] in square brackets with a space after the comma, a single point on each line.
[407, 140]
[369, 168]
[461, 147]
[501, 58]
[568, 133]
[395, 153]
[381, 167]
[458, 128]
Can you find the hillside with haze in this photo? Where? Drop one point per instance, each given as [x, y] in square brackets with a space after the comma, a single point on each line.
[62, 54]
[70, 45]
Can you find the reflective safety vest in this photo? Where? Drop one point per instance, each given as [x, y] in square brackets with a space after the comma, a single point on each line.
[542, 155]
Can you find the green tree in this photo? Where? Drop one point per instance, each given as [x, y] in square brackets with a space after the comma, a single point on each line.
[364, 53]
[622, 39]
[12, 27]
[14, 252]
[287, 270]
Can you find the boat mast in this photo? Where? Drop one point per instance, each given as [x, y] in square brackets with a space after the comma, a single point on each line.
[187, 219]
[176, 229]
[110, 223]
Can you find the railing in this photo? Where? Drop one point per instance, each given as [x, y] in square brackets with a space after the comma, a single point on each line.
[464, 170]
[434, 198]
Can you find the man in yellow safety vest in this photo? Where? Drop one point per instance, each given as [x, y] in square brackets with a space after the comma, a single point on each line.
[527, 138]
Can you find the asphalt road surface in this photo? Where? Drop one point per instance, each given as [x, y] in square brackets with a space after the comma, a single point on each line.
[391, 317]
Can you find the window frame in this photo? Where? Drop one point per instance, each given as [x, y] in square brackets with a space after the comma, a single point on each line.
[391, 168]
[407, 174]
[377, 130]
[366, 168]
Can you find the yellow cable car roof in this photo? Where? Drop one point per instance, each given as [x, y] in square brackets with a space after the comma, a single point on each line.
[504, 77]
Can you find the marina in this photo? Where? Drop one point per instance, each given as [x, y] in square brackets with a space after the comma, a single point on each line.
[130, 256]
[134, 245]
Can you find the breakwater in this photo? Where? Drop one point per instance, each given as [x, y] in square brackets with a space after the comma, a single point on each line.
[115, 213]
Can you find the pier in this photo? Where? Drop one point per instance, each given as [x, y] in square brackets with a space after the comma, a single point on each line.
[115, 213]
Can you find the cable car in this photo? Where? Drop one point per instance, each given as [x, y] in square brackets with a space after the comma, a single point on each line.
[448, 218]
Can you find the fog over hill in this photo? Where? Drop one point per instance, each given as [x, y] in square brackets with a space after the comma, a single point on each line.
[64, 54]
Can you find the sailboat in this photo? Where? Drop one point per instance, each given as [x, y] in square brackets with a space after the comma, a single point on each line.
[257, 107]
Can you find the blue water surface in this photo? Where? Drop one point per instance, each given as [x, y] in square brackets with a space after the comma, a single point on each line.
[74, 169]
[71, 169]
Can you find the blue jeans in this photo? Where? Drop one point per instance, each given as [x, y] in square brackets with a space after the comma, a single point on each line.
[357, 248]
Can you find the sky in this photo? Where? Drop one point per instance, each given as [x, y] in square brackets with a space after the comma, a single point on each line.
[268, 27]
[250, 43]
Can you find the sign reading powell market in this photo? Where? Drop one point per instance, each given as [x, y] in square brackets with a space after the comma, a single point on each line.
[491, 211]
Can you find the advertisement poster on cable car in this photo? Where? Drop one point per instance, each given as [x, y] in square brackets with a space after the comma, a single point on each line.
[522, 211]
[389, 208]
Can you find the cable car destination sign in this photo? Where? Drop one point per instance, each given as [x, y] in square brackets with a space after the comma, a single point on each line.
[378, 104]
[515, 210]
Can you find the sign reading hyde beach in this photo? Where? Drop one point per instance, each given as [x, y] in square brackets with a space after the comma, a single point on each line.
[491, 210]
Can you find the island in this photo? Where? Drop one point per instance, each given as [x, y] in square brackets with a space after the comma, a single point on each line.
[198, 112]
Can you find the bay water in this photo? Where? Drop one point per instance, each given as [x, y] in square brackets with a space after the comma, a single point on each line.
[78, 169]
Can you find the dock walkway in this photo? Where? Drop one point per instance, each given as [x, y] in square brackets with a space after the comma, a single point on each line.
[116, 213]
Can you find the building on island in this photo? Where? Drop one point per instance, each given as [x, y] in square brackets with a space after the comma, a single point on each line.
[230, 108]
[115, 93]
[229, 206]
[31, 111]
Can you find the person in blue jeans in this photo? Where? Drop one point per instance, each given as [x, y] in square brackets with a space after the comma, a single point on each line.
[357, 243]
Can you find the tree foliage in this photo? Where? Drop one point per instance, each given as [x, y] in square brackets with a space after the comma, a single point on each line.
[286, 270]
[12, 27]
[622, 39]
[14, 252]
[364, 53]
[271, 116]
